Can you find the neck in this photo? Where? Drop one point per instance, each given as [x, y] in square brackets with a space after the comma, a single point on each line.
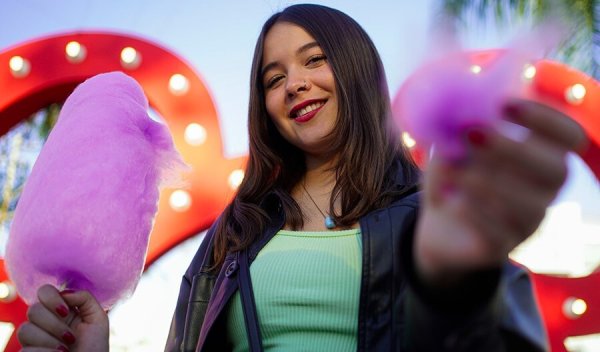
[313, 192]
[320, 173]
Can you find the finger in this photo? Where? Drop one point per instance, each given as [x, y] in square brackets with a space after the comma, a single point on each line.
[33, 338]
[492, 235]
[89, 310]
[548, 122]
[523, 178]
[478, 247]
[535, 159]
[517, 206]
[484, 210]
[43, 349]
[439, 179]
[50, 297]
[47, 321]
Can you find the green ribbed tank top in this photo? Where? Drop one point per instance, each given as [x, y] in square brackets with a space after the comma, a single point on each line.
[306, 287]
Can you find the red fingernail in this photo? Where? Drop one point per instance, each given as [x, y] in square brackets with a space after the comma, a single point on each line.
[477, 137]
[67, 291]
[512, 111]
[62, 348]
[62, 310]
[68, 338]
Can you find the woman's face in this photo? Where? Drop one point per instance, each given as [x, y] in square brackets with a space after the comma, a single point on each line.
[299, 88]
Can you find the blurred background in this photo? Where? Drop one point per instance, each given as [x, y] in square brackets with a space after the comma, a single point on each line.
[212, 43]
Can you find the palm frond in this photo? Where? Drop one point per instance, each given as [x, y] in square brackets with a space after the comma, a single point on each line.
[581, 49]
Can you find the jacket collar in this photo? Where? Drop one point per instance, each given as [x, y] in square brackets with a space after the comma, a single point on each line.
[406, 179]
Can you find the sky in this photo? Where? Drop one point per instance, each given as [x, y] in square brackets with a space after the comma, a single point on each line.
[217, 39]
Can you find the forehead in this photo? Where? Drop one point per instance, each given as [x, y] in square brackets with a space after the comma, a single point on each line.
[284, 38]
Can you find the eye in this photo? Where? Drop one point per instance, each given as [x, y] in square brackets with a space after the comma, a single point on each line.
[316, 60]
[273, 81]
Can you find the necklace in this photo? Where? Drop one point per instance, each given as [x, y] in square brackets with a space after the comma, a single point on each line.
[329, 223]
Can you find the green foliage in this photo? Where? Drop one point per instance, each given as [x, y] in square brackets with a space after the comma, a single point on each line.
[18, 150]
[581, 49]
[52, 112]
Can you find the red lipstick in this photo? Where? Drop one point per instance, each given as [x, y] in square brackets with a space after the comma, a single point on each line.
[309, 115]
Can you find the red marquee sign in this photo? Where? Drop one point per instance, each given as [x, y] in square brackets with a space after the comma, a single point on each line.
[45, 71]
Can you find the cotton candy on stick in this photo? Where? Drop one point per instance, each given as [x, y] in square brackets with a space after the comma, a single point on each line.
[85, 215]
[445, 98]
[449, 95]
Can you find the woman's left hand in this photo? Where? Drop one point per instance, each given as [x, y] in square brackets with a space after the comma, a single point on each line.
[477, 210]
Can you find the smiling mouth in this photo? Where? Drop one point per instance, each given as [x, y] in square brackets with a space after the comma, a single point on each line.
[305, 110]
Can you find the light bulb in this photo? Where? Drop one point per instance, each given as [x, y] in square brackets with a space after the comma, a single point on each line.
[180, 200]
[178, 84]
[235, 178]
[130, 58]
[195, 134]
[75, 52]
[19, 66]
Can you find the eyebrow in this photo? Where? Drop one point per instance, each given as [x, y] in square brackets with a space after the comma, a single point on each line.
[300, 50]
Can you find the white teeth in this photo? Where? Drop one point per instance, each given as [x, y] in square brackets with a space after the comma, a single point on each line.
[305, 110]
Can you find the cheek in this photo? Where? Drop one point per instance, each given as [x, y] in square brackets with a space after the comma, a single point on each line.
[326, 79]
[273, 109]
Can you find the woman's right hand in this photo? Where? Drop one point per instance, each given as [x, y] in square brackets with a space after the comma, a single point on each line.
[47, 328]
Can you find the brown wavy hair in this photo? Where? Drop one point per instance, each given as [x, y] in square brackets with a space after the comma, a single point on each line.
[370, 154]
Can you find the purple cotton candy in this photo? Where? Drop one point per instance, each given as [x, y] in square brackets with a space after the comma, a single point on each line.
[442, 100]
[85, 215]
[446, 97]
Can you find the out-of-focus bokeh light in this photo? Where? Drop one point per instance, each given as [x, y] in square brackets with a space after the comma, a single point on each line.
[180, 200]
[195, 134]
[19, 66]
[75, 52]
[529, 72]
[235, 178]
[8, 292]
[179, 84]
[408, 141]
[130, 58]
[476, 69]
[575, 93]
[574, 307]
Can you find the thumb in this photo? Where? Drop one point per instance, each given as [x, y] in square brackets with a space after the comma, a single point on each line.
[87, 307]
[439, 180]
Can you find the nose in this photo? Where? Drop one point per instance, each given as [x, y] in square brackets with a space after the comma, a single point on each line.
[296, 85]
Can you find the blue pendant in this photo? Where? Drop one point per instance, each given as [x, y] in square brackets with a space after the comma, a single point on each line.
[329, 223]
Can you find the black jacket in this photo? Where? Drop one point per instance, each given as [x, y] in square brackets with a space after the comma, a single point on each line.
[494, 311]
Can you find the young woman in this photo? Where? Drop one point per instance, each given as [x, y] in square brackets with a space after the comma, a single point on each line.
[345, 254]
